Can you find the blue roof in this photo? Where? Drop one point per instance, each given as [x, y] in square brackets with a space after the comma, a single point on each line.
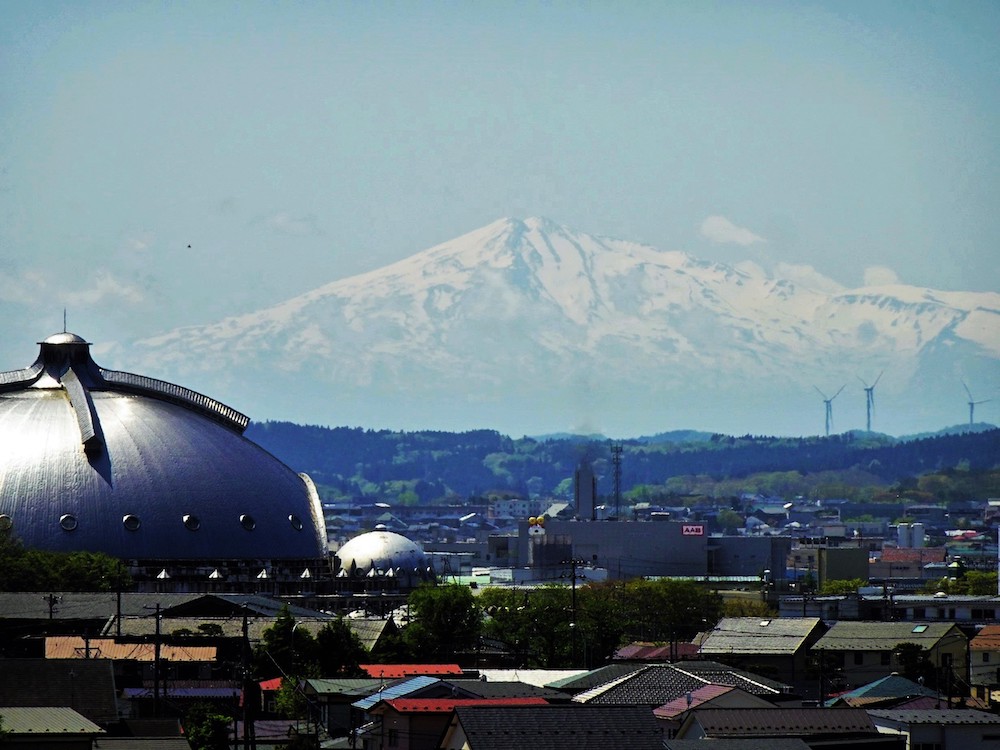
[397, 690]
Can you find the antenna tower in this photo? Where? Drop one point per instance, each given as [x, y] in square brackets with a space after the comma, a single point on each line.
[616, 463]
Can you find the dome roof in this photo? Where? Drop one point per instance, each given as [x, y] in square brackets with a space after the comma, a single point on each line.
[104, 461]
[381, 550]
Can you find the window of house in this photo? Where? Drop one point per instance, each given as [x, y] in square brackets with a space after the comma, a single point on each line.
[393, 738]
[918, 613]
[986, 657]
[859, 657]
[886, 658]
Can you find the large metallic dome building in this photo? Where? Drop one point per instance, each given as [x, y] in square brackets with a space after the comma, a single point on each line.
[98, 460]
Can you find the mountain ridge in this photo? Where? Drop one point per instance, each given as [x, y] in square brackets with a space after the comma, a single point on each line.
[528, 320]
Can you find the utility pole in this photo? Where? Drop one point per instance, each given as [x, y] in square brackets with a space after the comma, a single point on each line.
[249, 735]
[156, 665]
[573, 562]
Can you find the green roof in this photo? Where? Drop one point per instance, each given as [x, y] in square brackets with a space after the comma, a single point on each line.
[46, 720]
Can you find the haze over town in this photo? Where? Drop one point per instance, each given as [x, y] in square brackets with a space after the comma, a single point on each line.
[172, 166]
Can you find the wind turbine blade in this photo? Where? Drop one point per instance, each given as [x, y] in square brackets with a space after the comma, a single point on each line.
[838, 392]
[878, 378]
[967, 390]
[862, 381]
[820, 392]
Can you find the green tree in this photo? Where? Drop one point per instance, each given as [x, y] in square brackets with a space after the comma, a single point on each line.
[339, 650]
[289, 700]
[285, 650]
[443, 620]
[842, 586]
[206, 728]
[729, 520]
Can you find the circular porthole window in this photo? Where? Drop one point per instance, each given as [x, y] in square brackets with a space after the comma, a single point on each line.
[191, 522]
[295, 521]
[68, 522]
[130, 522]
[247, 522]
[6, 522]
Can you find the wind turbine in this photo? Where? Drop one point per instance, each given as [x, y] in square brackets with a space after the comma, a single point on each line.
[870, 398]
[972, 404]
[829, 407]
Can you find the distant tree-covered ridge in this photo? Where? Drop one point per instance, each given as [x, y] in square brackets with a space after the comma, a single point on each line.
[429, 466]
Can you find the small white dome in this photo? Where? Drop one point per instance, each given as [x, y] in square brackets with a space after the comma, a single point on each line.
[382, 550]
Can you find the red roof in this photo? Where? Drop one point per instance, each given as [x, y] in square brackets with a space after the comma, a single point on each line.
[987, 639]
[445, 705]
[272, 684]
[393, 671]
[914, 554]
[698, 696]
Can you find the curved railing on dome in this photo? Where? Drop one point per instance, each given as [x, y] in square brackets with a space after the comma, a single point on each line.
[178, 394]
[20, 377]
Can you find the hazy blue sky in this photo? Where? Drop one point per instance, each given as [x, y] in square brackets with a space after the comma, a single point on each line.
[291, 144]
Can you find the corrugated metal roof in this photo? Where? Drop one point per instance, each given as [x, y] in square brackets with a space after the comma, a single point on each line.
[759, 635]
[74, 647]
[46, 720]
[862, 635]
[442, 705]
[397, 690]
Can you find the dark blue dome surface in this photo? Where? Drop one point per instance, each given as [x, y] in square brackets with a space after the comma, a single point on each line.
[110, 462]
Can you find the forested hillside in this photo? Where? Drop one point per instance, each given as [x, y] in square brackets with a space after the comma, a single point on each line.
[423, 467]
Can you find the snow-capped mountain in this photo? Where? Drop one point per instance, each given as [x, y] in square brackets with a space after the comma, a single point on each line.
[528, 326]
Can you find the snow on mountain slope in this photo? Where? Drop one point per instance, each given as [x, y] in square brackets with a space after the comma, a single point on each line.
[534, 312]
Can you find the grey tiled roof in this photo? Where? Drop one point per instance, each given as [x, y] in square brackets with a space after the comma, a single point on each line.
[656, 684]
[740, 743]
[560, 727]
[653, 685]
[722, 674]
[508, 689]
[594, 677]
[937, 716]
[782, 722]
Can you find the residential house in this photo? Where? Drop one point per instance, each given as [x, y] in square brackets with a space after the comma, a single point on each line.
[553, 727]
[901, 564]
[864, 651]
[708, 696]
[136, 662]
[830, 728]
[777, 647]
[984, 664]
[85, 685]
[739, 743]
[937, 729]
[418, 723]
[654, 685]
[331, 701]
